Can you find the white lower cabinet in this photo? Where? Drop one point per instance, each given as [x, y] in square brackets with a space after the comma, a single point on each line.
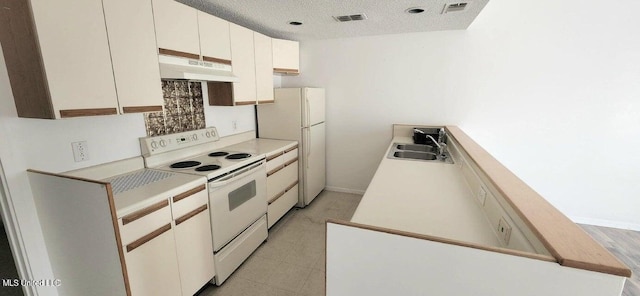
[152, 267]
[168, 247]
[195, 252]
[282, 183]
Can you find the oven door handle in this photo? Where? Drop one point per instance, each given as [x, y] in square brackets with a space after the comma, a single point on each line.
[233, 177]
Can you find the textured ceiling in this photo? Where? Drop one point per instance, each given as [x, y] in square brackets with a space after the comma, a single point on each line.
[271, 17]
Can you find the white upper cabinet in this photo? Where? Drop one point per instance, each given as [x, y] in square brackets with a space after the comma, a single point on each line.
[214, 38]
[176, 27]
[74, 49]
[243, 64]
[264, 66]
[134, 55]
[286, 56]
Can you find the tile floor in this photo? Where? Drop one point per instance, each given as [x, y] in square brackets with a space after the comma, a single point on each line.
[291, 262]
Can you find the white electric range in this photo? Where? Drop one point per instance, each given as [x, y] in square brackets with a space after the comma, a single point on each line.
[236, 185]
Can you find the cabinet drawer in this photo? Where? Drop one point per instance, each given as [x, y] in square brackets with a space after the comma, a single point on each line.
[282, 205]
[291, 154]
[144, 221]
[188, 201]
[278, 182]
[274, 161]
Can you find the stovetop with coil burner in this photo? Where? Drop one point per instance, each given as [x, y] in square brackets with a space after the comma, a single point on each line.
[212, 163]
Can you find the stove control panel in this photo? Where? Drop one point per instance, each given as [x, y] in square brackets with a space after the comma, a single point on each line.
[166, 143]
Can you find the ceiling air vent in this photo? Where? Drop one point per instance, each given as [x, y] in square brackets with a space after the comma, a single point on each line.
[352, 17]
[454, 7]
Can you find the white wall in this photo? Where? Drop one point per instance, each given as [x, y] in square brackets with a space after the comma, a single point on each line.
[46, 145]
[551, 89]
[223, 117]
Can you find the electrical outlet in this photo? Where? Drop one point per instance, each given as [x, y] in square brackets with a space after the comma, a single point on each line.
[504, 231]
[482, 195]
[80, 151]
[234, 124]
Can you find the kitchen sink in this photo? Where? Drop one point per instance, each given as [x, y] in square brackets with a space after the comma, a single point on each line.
[417, 147]
[418, 152]
[415, 155]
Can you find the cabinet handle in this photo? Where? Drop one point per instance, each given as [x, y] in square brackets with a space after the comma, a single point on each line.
[272, 157]
[279, 195]
[176, 53]
[88, 112]
[141, 241]
[216, 60]
[276, 197]
[141, 109]
[186, 194]
[275, 170]
[245, 103]
[286, 71]
[290, 162]
[146, 211]
[191, 214]
[291, 186]
[291, 149]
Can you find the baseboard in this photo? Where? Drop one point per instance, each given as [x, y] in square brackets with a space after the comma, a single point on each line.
[344, 190]
[606, 223]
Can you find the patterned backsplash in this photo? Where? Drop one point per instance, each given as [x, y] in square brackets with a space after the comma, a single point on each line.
[183, 109]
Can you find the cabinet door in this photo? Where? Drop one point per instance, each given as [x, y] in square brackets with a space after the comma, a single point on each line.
[286, 56]
[176, 28]
[153, 266]
[195, 250]
[243, 63]
[75, 54]
[134, 55]
[214, 38]
[264, 68]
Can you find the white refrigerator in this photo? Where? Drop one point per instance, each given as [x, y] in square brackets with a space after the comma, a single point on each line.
[298, 115]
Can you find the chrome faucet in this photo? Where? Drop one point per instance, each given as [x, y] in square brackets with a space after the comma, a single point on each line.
[442, 147]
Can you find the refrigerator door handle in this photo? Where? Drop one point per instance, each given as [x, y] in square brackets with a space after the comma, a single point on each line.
[308, 145]
[308, 117]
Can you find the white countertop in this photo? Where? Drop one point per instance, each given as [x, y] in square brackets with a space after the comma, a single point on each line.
[135, 199]
[129, 201]
[428, 198]
[132, 200]
[262, 146]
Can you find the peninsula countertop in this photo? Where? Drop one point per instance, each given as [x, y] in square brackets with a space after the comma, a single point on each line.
[429, 198]
[432, 199]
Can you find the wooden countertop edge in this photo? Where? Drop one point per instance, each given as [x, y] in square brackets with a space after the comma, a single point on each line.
[567, 242]
[444, 240]
[69, 177]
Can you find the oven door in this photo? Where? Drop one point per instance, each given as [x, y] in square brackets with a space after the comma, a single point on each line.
[236, 202]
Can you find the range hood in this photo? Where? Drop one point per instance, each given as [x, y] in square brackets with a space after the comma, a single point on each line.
[183, 68]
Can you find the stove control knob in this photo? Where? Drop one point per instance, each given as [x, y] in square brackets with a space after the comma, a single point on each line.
[194, 137]
[163, 143]
[154, 145]
[208, 134]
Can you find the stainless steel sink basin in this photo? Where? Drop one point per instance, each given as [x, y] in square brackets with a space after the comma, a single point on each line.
[415, 155]
[418, 152]
[417, 147]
